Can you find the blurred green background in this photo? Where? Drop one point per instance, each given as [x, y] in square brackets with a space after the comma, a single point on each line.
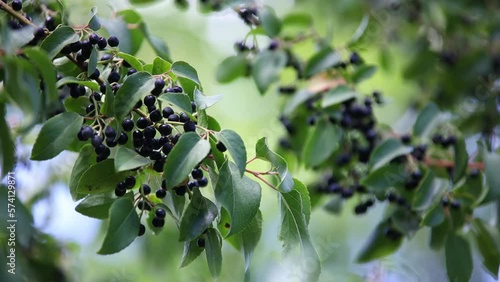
[204, 40]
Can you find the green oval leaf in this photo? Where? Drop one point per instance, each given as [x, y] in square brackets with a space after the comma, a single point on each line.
[197, 218]
[321, 61]
[41, 61]
[236, 147]
[426, 120]
[191, 252]
[428, 192]
[386, 151]
[94, 22]
[266, 68]
[378, 244]
[160, 66]
[213, 252]
[203, 102]
[231, 68]
[492, 163]
[179, 100]
[133, 88]
[269, 21]
[322, 143]
[337, 95]
[100, 178]
[458, 258]
[86, 158]
[123, 227]
[131, 60]
[183, 69]
[488, 242]
[461, 159]
[58, 39]
[97, 205]
[56, 135]
[127, 159]
[92, 61]
[69, 79]
[363, 72]
[186, 154]
[380, 180]
[263, 152]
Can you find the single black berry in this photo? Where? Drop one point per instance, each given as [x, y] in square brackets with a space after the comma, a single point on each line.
[173, 117]
[406, 138]
[87, 132]
[142, 122]
[122, 139]
[155, 116]
[131, 71]
[128, 124]
[183, 117]
[130, 182]
[96, 140]
[189, 126]
[145, 189]
[202, 182]
[167, 148]
[113, 77]
[149, 100]
[120, 192]
[355, 59]
[113, 41]
[142, 230]
[167, 111]
[17, 5]
[161, 193]
[220, 146]
[39, 33]
[149, 132]
[197, 173]
[165, 129]
[160, 213]
[200, 242]
[90, 108]
[158, 222]
[102, 43]
[121, 185]
[93, 38]
[143, 205]
[111, 142]
[110, 132]
[193, 184]
[360, 208]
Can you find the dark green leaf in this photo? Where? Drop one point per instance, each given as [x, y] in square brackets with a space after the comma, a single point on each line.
[203, 102]
[86, 158]
[68, 79]
[386, 151]
[58, 39]
[183, 69]
[41, 61]
[133, 88]
[321, 61]
[56, 135]
[108, 108]
[322, 143]
[337, 95]
[269, 21]
[197, 218]
[240, 196]
[100, 177]
[458, 258]
[439, 234]
[293, 230]
[428, 192]
[461, 159]
[180, 101]
[97, 205]
[127, 159]
[124, 27]
[488, 242]
[7, 147]
[472, 192]
[492, 163]
[231, 68]
[160, 66]
[363, 72]
[213, 251]
[378, 244]
[94, 22]
[186, 154]
[263, 152]
[131, 60]
[92, 62]
[380, 180]
[123, 227]
[426, 120]
[191, 252]
[234, 144]
[266, 68]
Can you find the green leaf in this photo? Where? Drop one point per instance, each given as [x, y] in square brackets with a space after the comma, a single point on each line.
[378, 244]
[428, 192]
[439, 234]
[56, 135]
[293, 230]
[58, 39]
[156, 43]
[124, 26]
[458, 258]
[160, 66]
[41, 61]
[186, 154]
[334, 205]
[100, 177]
[297, 99]
[488, 242]
[304, 195]
[92, 61]
[321, 61]
[298, 19]
[131, 60]
[97, 205]
[380, 180]
[133, 88]
[321, 143]
[472, 192]
[127, 159]
[337, 95]
[179, 100]
[461, 159]
[7, 147]
[203, 102]
[434, 216]
[386, 151]
[94, 22]
[263, 152]
[234, 144]
[197, 218]
[269, 21]
[68, 79]
[108, 108]
[123, 227]
[239, 195]
[231, 68]
[426, 121]
[213, 251]
[360, 31]
[266, 68]
[191, 252]
[86, 158]
[183, 69]
[363, 72]
[492, 163]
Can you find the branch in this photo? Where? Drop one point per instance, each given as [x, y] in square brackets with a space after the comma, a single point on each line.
[15, 14]
[451, 164]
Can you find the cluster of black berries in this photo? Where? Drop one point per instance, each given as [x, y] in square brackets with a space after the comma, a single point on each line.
[445, 142]
[122, 186]
[249, 15]
[102, 140]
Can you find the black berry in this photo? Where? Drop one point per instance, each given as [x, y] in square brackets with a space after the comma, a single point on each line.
[142, 230]
[220, 146]
[189, 126]
[161, 193]
[160, 213]
[158, 222]
[142, 122]
[113, 41]
[167, 111]
[128, 124]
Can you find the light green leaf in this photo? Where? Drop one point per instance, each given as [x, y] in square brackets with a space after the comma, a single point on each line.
[127, 159]
[269, 21]
[160, 66]
[386, 151]
[69, 79]
[122, 229]
[236, 147]
[426, 120]
[186, 154]
[363, 72]
[131, 60]
[321, 61]
[56, 135]
[266, 68]
[203, 102]
[263, 152]
[321, 143]
[337, 95]
[231, 68]
[183, 69]
[213, 252]
[360, 31]
[98, 205]
[133, 88]
[179, 100]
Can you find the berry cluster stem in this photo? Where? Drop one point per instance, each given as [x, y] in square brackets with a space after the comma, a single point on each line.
[258, 175]
[15, 14]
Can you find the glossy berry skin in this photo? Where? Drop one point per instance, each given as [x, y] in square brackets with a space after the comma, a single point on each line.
[142, 230]
[167, 111]
[165, 129]
[200, 243]
[145, 189]
[87, 132]
[17, 5]
[189, 126]
[197, 173]
[173, 117]
[203, 182]
[193, 184]
[158, 222]
[93, 38]
[110, 132]
[96, 140]
[102, 43]
[130, 182]
[122, 139]
[161, 193]
[90, 108]
[160, 213]
[183, 117]
[149, 100]
[119, 192]
[128, 125]
[111, 142]
[149, 132]
[142, 122]
[155, 116]
[113, 77]
[113, 41]
[221, 147]
[39, 33]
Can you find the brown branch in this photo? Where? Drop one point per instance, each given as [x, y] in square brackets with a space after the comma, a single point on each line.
[450, 164]
[15, 14]
[74, 61]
